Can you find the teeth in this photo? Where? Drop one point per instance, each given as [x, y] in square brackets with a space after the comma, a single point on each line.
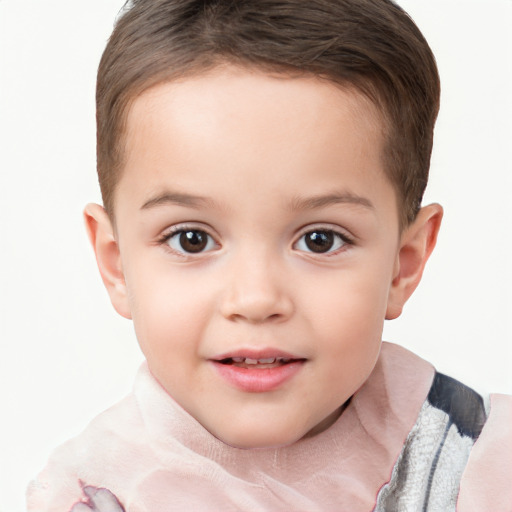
[248, 360]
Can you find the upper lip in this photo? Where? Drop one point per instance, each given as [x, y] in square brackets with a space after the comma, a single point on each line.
[267, 353]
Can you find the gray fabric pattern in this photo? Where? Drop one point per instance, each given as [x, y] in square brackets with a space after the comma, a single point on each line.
[426, 476]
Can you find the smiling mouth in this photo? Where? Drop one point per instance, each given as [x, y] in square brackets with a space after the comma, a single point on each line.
[254, 372]
[249, 363]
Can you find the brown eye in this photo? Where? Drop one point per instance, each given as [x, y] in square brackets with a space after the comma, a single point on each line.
[321, 241]
[191, 241]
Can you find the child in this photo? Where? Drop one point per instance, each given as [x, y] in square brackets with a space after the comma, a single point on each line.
[262, 167]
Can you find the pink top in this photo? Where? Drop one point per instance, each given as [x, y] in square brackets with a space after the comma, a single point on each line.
[487, 480]
[154, 457]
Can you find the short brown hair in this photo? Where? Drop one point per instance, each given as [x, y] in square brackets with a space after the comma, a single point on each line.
[371, 45]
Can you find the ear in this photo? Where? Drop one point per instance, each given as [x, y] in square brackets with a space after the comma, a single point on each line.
[101, 234]
[416, 245]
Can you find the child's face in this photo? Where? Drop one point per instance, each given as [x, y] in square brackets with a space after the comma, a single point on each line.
[255, 221]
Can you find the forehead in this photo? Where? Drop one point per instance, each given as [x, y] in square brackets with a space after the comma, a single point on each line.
[239, 123]
[229, 91]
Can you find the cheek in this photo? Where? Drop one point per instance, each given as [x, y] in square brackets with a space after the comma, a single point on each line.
[169, 310]
[346, 320]
[348, 304]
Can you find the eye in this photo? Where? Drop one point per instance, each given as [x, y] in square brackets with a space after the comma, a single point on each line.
[321, 241]
[190, 241]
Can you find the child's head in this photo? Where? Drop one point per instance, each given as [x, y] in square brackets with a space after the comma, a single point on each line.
[264, 164]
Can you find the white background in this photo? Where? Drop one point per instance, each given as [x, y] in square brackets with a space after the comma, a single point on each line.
[66, 355]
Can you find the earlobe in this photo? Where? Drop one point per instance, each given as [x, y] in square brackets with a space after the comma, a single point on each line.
[416, 245]
[102, 238]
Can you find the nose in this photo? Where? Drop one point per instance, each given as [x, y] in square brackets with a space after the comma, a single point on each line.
[256, 291]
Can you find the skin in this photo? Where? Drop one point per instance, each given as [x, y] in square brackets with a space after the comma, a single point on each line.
[257, 163]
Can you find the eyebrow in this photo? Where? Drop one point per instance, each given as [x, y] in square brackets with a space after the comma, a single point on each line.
[176, 198]
[298, 203]
[320, 201]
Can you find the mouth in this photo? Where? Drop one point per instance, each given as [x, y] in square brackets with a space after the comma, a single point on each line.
[257, 372]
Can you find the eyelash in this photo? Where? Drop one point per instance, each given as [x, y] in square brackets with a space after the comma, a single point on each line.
[335, 237]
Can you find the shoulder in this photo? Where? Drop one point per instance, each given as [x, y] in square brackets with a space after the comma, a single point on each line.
[487, 481]
[102, 455]
[428, 471]
[457, 456]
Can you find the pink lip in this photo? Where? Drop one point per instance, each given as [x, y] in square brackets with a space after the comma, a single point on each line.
[257, 380]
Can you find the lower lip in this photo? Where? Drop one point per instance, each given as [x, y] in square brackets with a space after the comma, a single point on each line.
[257, 380]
